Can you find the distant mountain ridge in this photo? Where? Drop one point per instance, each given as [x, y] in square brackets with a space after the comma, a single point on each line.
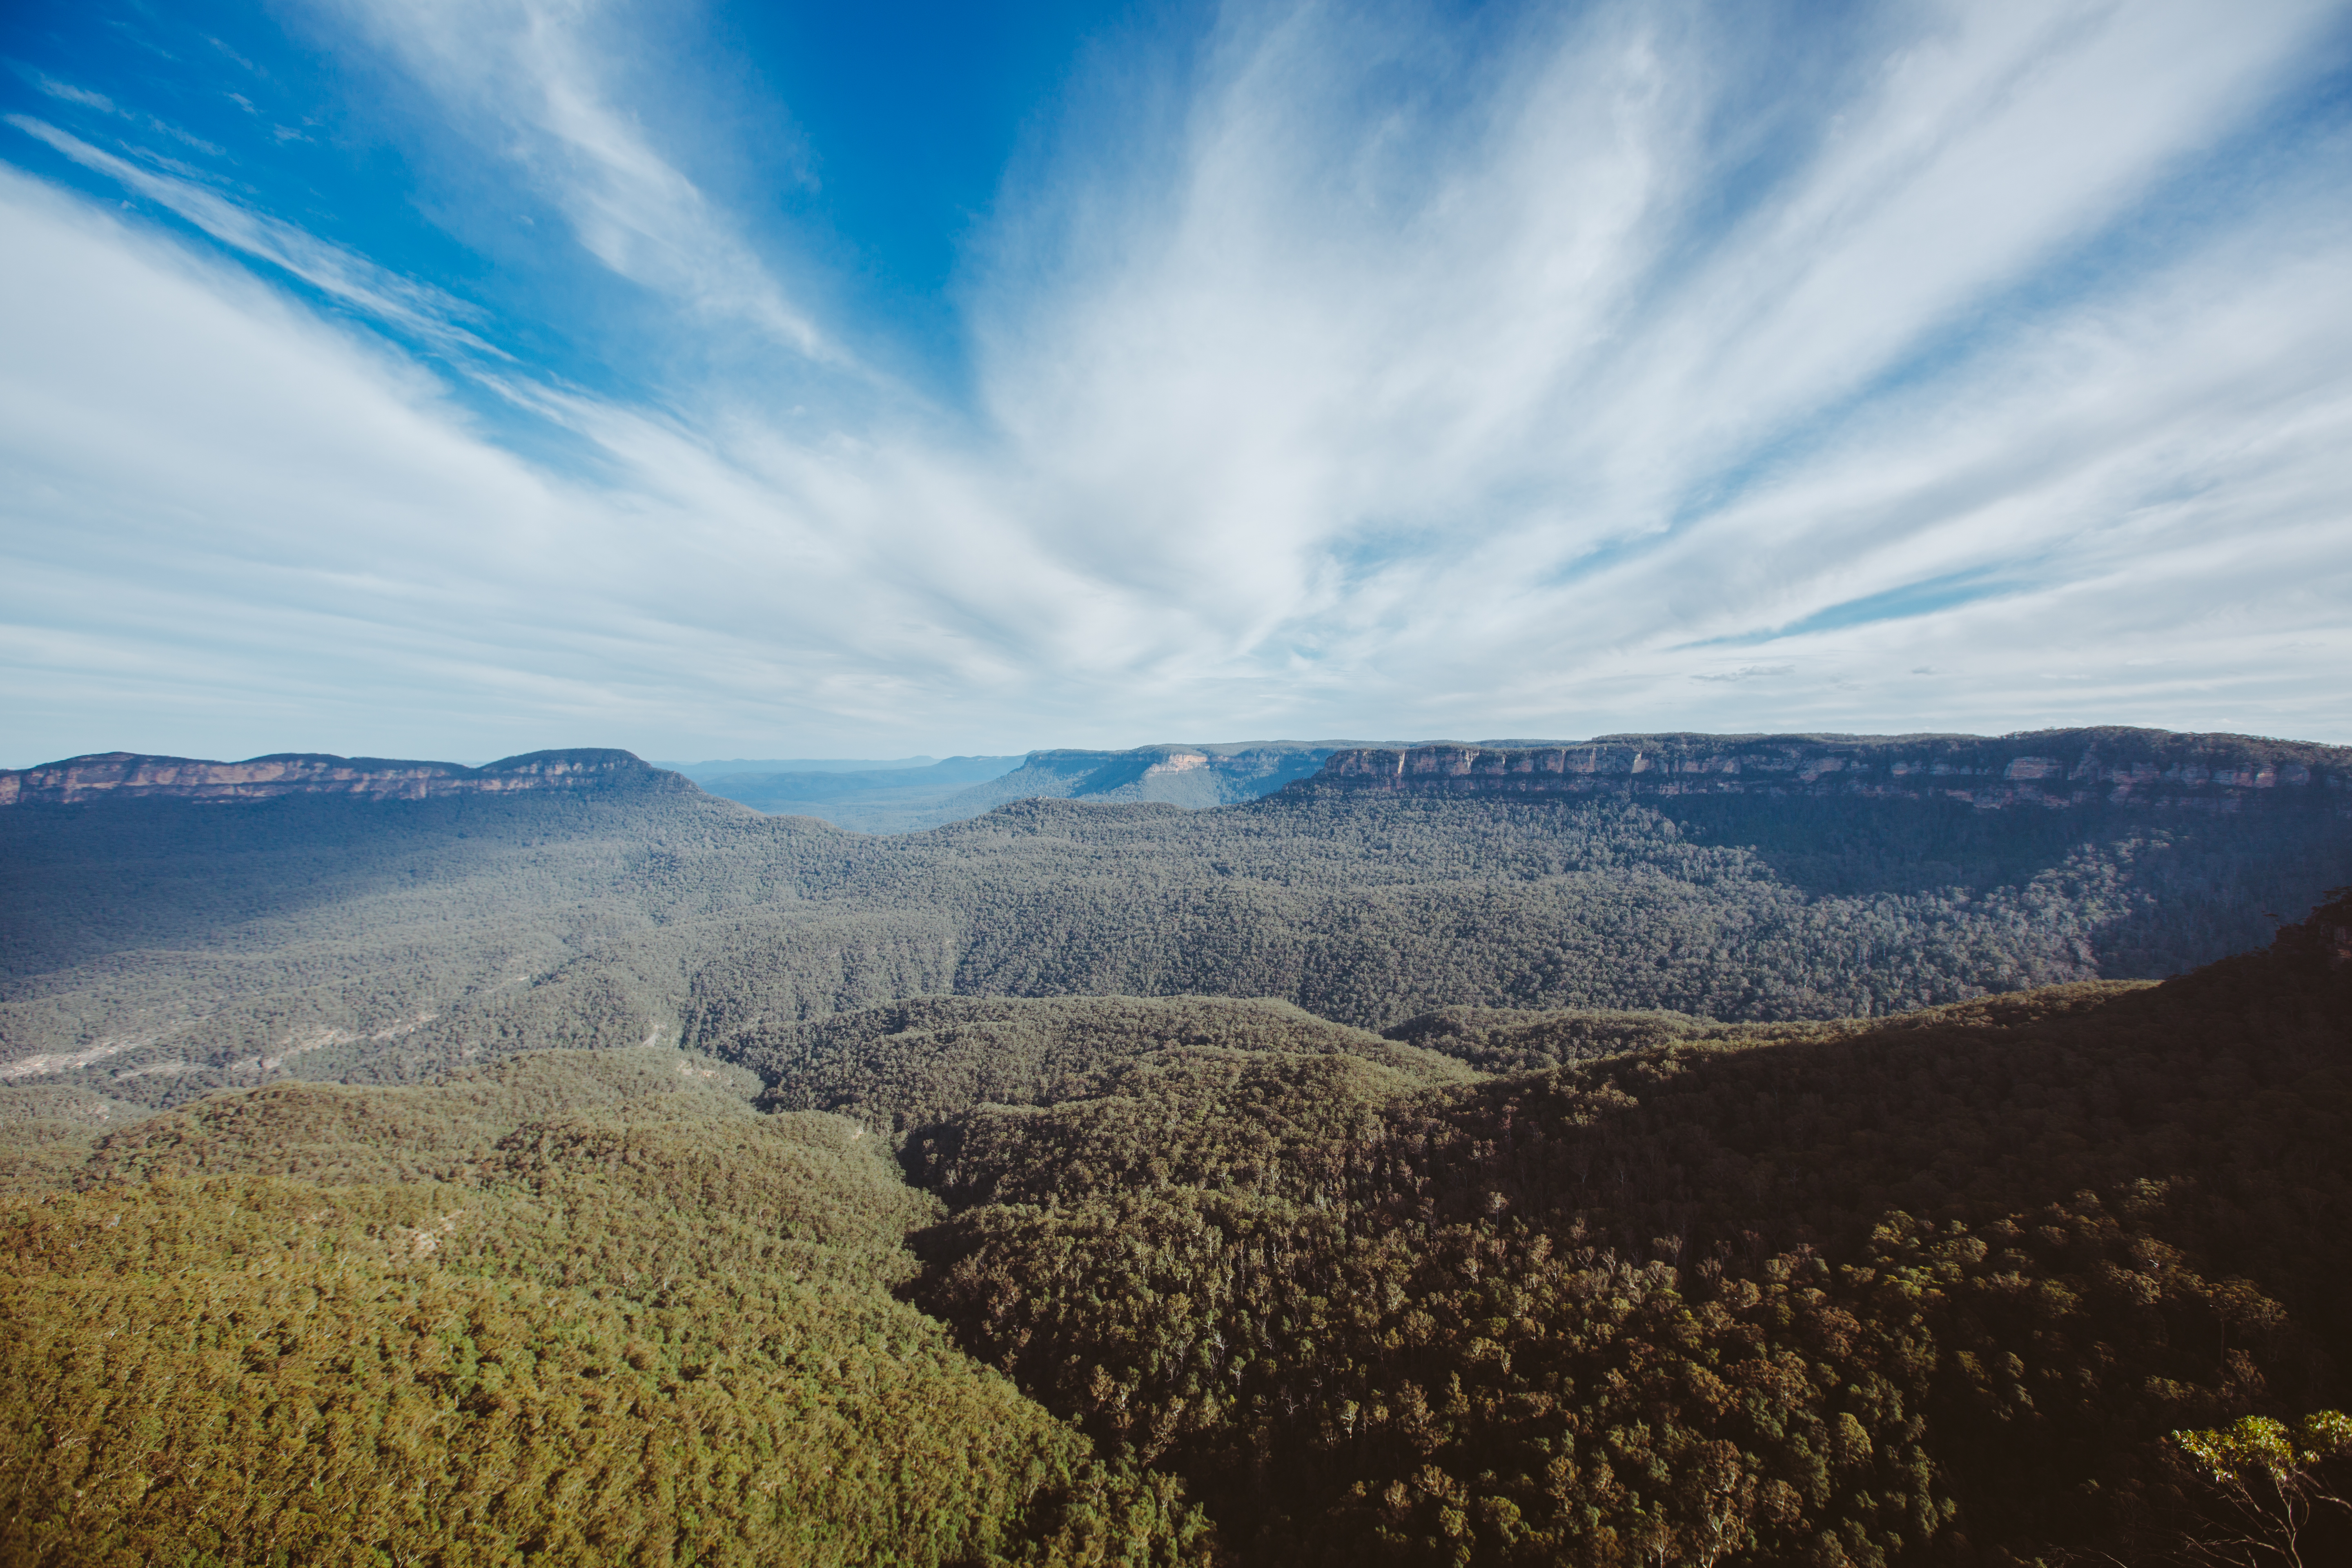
[129, 775]
[152, 948]
[2048, 768]
[1195, 775]
[873, 800]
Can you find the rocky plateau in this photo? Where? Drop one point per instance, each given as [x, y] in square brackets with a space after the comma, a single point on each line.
[2045, 768]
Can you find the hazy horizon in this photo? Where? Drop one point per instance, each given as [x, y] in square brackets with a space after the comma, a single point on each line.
[696, 766]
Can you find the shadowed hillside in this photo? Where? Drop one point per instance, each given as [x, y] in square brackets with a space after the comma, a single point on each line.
[155, 949]
[1935, 1289]
[1931, 1290]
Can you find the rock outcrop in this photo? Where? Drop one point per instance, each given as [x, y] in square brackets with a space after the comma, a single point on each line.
[116, 775]
[2045, 768]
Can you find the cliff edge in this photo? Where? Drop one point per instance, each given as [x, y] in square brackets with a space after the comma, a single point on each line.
[119, 776]
[2049, 768]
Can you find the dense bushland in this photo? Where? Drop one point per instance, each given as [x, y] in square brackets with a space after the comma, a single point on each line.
[1935, 1289]
[1512, 1286]
[585, 1307]
[154, 951]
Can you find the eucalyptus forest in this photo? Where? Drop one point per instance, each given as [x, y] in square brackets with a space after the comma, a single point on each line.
[622, 1175]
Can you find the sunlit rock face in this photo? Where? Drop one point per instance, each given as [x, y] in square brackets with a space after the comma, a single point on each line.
[2050, 768]
[128, 775]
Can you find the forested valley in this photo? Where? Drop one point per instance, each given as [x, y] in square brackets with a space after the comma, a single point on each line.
[1169, 1280]
[584, 1307]
[155, 949]
[619, 1176]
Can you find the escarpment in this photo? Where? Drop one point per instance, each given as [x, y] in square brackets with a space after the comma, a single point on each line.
[2048, 768]
[129, 775]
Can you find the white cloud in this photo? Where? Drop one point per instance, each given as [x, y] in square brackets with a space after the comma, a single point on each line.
[353, 279]
[262, 522]
[531, 76]
[1495, 405]
[1494, 350]
[73, 94]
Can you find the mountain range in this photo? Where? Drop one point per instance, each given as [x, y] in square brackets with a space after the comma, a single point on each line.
[923, 793]
[178, 926]
[1661, 1147]
[897, 800]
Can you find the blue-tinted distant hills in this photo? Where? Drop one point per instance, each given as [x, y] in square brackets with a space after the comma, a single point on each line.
[916, 793]
[865, 796]
[703, 772]
[890, 797]
[1195, 775]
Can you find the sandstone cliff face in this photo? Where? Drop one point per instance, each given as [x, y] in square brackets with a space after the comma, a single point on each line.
[127, 775]
[2047, 768]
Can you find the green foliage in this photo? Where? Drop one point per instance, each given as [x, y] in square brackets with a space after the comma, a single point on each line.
[915, 1061]
[2263, 1482]
[2260, 1445]
[1935, 1288]
[1930, 1289]
[991, 1223]
[157, 949]
[581, 1308]
[46, 1130]
[1508, 1040]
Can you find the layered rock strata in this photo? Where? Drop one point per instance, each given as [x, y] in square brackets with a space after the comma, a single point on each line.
[110, 776]
[2048, 768]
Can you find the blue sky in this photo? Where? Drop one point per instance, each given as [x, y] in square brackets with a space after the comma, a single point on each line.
[425, 378]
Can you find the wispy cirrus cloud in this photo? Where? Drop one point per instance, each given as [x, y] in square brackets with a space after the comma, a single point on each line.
[532, 77]
[1973, 367]
[73, 94]
[418, 308]
[84, 98]
[1525, 357]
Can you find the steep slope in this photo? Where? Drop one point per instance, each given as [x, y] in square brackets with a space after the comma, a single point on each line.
[125, 776]
[2050, 768]
[1932, 1289]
